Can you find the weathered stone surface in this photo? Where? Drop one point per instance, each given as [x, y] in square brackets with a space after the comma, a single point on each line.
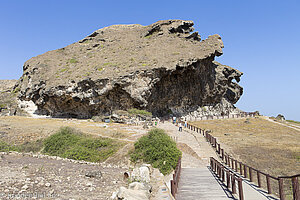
[141, 173]
[280, 117]
[129, 194]
[8, 98]
[164, 68]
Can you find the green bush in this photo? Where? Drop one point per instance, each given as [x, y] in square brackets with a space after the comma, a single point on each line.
[135, 111]
[4, 147]
[68, 143]
[158, 149]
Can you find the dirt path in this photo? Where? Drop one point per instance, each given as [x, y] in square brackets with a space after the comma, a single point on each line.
[297, 128]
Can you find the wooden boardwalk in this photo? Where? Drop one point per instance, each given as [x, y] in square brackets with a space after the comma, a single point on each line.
[196, 180]
[199, 183]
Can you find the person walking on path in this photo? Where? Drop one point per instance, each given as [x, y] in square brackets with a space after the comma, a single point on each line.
[174, 120]
[185, 124]
[180, 126]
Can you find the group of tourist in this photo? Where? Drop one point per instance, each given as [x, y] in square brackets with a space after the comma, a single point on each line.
[179, 124]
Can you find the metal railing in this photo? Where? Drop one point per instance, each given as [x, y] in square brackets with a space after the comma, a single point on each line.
[249, 172]
[176, 176]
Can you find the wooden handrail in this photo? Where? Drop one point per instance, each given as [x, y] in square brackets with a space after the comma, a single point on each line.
[220, 170]
[176, 176]
[229, 161]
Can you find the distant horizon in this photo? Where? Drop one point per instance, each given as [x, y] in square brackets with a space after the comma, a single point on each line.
[261, 39]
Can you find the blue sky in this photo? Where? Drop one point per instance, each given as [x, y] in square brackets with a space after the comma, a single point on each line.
[261, 38]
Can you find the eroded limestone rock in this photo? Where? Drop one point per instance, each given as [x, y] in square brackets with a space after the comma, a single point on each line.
[164, 68]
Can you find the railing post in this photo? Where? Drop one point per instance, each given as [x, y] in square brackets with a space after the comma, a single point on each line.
[258, 179]
[228, 179]
[240, 185]
[223, 174]
[281, 189]
[241, 168]
[245, 171]
[268, 184]
[250, 174]
[222, 151]
[233, 186]
[172, 188]
[236, 167]
[219, 149]
[295, 184]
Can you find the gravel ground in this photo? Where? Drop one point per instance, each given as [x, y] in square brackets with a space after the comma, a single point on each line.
[25, 177]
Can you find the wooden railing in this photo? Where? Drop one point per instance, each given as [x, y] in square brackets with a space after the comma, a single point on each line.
[249, 172]
[230, 179]
[176, 176]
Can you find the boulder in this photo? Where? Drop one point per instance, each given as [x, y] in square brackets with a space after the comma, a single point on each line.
[139, 186]
[94, 174]
[131, 194]
[280, 117]
[141, 174]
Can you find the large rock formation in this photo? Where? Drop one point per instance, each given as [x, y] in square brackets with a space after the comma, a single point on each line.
[163, 68]
[8, 98]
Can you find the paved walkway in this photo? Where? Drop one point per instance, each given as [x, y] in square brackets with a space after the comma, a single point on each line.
[197, 181]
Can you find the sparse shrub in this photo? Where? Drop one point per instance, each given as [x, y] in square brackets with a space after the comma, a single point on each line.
[73, 60]
[16, 90]
[292, 121]
[105, 64]
[63, 70]
[158, 149]
[4, 147]
[34, 146]
[135, 111]
[69, 143]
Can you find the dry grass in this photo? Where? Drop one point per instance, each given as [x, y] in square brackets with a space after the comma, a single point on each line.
[264, 145]
[16, 129]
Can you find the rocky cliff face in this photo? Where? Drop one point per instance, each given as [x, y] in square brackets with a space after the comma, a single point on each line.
[163, 68]
[8, 98]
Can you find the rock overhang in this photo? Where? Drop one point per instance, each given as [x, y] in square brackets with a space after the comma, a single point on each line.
[123, 66]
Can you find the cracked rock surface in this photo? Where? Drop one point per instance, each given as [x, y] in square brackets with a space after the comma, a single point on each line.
[164, 68]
